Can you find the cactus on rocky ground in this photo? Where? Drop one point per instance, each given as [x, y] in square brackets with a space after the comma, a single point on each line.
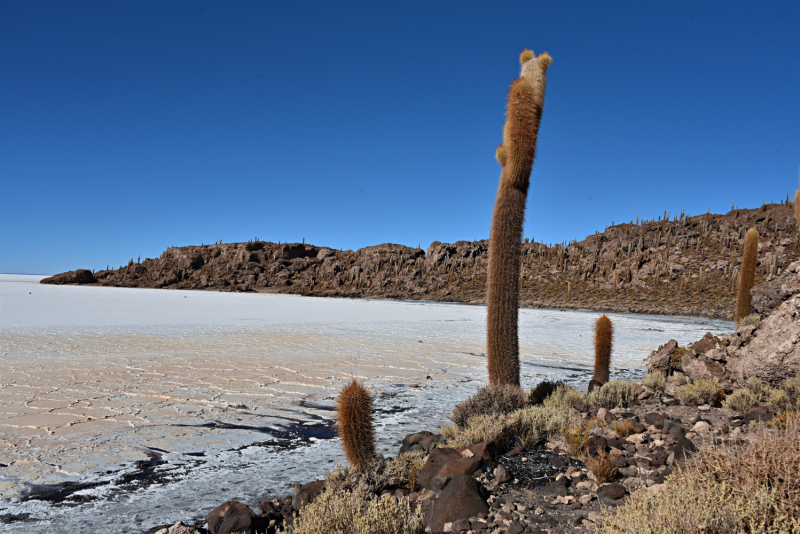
[797, 207]
[354, 419]
[747, 276]
[603, 336]
[515, 155]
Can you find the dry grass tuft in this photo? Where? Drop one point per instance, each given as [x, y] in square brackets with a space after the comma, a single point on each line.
[499, 429]
[739, 489]
[491, 400]
[623, 428]
[575, 436]
[701, 391]
[601, 466]
[567, 397]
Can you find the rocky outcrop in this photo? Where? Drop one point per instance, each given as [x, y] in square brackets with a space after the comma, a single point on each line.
[80, 276]
[767, 347]
[683, 266]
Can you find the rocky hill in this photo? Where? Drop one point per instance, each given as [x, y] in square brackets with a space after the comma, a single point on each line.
[677, 265]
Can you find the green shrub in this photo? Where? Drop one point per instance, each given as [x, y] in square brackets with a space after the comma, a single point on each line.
[741, 401]
[538, 423]
[490, 400]
[758, 388]
[499, 429]
[752, 319]
[567, 397]
[614, 394]
[337, 511]
[680, 379]
[701, 391]
[655, 381]
[792, 389]
[542, 390]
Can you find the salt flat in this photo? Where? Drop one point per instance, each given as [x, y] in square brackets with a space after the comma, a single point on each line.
[227, 395]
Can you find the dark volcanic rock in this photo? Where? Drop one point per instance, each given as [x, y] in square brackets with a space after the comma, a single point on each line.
[447, 462]
[231, 516]
[461, 499]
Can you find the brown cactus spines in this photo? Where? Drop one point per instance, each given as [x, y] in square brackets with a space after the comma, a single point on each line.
[354, 418]
[523, 115]
[747, 274]
[603, 337]
[797, 207]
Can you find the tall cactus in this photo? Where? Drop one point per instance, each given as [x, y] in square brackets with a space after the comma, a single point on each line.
[354, 418]
[797, 207]
[747, 275]
[603, 337]
[515, 155]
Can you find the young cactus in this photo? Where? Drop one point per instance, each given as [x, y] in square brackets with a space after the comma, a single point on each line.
[747, 275]
[603, 337]
[515, 155]
[354, 418]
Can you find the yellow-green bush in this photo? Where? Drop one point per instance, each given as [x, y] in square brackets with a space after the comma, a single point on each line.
[680, 379]
[338, 511]
[490, 400]
[701, 391]
[655, 381]
[758, 388]
[498, 429]
[740, 489]
[741, 400]
[567, 397]
[623, 428]
[613, 394]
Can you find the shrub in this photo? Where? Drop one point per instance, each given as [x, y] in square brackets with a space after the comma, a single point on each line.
[680, 379]
[752, 319]
[601, 466]
[538, 423]
[751, 488]
[741, 401]
[758, 388]
[490, 400]
[623, 428]
[354, 418]
[542, 390]
[357, 512]
[701, 391]
[575, 436]
[567, 397]
[792, 389]
[499, 429]
[655, 381]
[614, 394]
[403, 470]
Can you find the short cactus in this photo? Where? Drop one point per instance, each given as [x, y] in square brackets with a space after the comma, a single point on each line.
[515, 155]
[603, 337]
[354, 418]
[747, 275]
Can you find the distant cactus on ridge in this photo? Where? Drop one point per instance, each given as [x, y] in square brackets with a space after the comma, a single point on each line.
[515, 155]
[354, 418]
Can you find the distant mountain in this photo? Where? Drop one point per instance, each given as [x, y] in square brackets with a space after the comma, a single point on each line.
[676, 265]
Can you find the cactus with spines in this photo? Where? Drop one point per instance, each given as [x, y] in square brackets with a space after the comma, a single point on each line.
[797, 207]
[516, 156]
[747, 275]
[354, 421]
[603, 338]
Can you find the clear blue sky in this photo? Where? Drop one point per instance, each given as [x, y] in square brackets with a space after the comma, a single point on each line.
[128, 127]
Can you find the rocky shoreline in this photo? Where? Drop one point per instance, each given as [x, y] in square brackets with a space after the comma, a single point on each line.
[602, 457]
[677, 265]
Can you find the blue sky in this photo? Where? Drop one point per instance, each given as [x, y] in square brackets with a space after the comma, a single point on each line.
[128, 127]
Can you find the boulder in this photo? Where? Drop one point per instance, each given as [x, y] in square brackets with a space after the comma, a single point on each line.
[484, 450]
[661, 358]
[446, 462]
[426, 440]
[769, 295]
[231, 516]
[707, 343]
[613, 491]
[654, 418]
[461, 499]
[305, 493]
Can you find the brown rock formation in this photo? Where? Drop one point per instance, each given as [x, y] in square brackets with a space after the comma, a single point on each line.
[687, 266]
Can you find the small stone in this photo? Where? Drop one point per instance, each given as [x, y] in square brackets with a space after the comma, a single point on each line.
[538, 511]
[588, 524]
[515, 527]
[466, 453]
[701, 426]
[586, 499]
[501, 474]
